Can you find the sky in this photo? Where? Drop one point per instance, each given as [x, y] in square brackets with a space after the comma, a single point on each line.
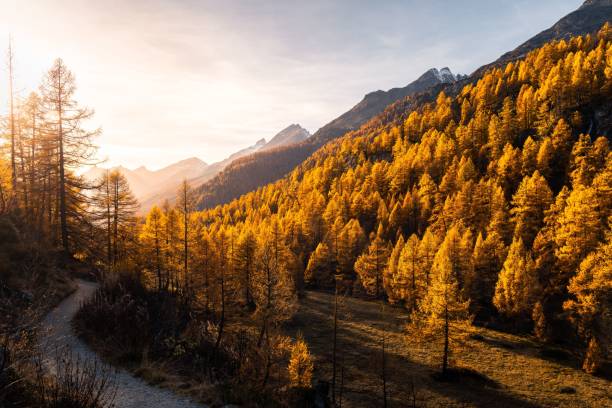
[172, 79]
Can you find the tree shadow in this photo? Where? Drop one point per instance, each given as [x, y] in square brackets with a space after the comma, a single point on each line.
[550, 353]
[362, 355]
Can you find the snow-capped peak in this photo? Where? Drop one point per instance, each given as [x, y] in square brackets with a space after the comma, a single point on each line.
[444, 75]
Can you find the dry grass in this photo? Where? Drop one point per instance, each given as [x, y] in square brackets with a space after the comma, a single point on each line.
[507, 370]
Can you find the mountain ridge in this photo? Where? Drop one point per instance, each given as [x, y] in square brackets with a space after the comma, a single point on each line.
[260, 168]
[152, 187]
[587, 19]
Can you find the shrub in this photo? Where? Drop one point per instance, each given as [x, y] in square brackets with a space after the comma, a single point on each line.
[75, 383]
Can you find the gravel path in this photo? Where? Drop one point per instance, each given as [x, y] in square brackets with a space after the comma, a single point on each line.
[131, 392]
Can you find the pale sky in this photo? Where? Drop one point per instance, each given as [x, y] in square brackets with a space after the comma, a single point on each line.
[171, 79]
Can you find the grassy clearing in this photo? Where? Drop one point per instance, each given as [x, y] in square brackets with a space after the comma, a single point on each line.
[507, 370]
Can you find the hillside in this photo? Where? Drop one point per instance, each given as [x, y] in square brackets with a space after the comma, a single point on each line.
[509, 371]
[264, 167]
[445, 244]
[480, 174]
[249, 175]
[153, 187]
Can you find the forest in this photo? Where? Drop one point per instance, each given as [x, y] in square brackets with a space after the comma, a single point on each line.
[489, 207]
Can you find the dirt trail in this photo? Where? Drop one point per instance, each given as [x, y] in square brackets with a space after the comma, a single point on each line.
[131, 392]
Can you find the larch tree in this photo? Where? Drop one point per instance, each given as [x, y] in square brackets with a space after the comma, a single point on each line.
[13, 132]
[579, 229]
[244, 263]
[151, 237]
[301, 366]
[443, 310]
[319, 269]
[427, 252]
[71, 143]
[591, 302]
[517, 284]
[410, 280]
[529, 202]
[489, 255]
[274, 291]
[115, 209]
[186, 206]
[393, 294]
[371, 264]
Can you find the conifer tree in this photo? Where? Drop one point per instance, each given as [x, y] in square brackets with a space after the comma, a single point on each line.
[427, 251]
[273, 287]
[488, 256]
[591, 302]
[410, 281]
[371, 264]
[529, 202]
[443, 309]
[319, 269]
[185, 207]
[517, 285]
[579, 229]
[151, 237]
[115, 209]
[244, 263]
[72, 143]
[393, 294]
[300, 364]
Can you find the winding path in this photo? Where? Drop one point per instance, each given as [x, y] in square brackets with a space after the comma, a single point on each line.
[131, 391]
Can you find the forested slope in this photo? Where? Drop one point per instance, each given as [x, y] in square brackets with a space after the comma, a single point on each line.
[259, 169]
[501, 195]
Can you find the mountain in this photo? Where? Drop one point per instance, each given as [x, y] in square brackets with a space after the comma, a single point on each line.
[375, 102]
[153, 187]
[269, 165]
[168, 192]
[249, 174]
[587, 19]
[504, 185]
[290, 135]
[143, 181]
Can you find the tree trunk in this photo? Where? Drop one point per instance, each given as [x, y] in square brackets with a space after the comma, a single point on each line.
[334, 347]
[445, 356]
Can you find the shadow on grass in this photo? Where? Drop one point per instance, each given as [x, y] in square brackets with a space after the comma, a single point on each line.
[548, 353]
[362, 355]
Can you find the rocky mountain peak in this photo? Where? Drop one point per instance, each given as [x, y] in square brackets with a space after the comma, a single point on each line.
[596, 3]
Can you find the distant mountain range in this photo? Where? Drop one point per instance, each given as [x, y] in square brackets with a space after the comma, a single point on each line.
[288, 136]
[263, 167]
[152, 187]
